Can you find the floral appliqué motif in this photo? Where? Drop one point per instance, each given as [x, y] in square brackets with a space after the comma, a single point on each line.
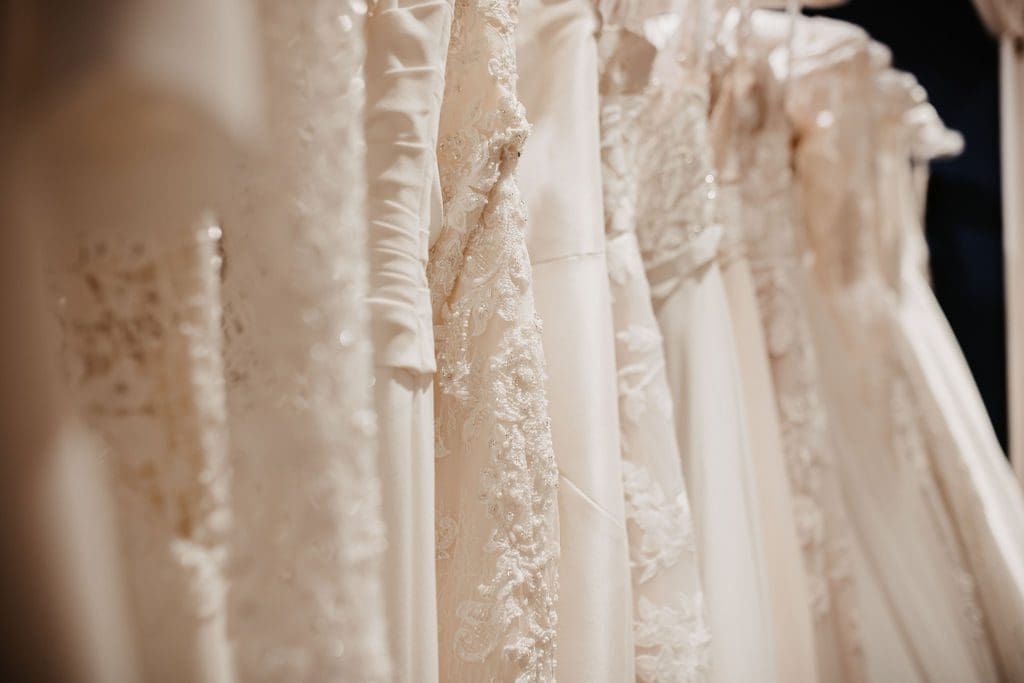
[674, 639]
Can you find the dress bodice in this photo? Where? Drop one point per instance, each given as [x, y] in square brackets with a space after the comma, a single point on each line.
[558, 58]
[675, 209]
[828, 101]
[764, 146]
[626, 58]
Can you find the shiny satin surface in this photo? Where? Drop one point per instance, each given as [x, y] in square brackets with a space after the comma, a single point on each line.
[560, 177]
[407, 45]
[406, 52]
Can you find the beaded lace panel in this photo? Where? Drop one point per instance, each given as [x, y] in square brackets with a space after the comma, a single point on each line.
[676, 201]
[306, 602]
[496, 474]
[670, 633]
[140, 314]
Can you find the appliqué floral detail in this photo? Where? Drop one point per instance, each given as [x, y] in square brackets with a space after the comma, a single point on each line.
[491, 409]
[673, 642]
[666, 529]
[445, 534]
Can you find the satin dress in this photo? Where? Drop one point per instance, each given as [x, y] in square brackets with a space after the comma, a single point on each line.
[407, 48]
[560, 176]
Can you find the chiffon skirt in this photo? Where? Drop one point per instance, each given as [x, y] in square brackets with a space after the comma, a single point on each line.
[706, 384]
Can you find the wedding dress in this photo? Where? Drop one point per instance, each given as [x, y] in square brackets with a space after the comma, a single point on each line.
[903, 536]
[670, 631]
[305, 599]
[974, 481]
[565, 237]
[679, 243]
[762, 149]
[114, 118]
[733, 81]
[129, 164]
[407, 45]
[496, 517]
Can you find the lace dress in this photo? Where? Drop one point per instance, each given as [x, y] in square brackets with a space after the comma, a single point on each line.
[135, 274]
[733, 113]
[565, 237]
[496, 517]
[669, 617]
[305, 599]
[783, 292]
[679, 243]
[921, 592]
[974, 482]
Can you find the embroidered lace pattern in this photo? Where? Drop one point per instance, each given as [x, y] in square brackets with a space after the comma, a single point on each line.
[678, 188]
[777, 269]
[676, 641]
[664, 524]
[496, 471]
[140, 312]
[306, 600]
[671, 640]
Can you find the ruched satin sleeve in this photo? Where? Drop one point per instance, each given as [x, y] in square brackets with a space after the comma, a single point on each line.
[407, 43]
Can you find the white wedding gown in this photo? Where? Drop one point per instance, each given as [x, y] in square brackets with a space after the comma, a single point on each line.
[497, 512]
[733, 111]
[927, 603]
[679, 244]
[770, 221]
[305, 591]
[670, 630]
[565, 236]
[407, 47]
[974, 483]
[130, 164]
[119, 155]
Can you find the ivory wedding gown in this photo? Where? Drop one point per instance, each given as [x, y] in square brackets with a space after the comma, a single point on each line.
[973, 481]
[670, 631]
[115, 116]
[497, 517]
[565, 236]
[305, 599]
[407, 46]
[679, 244]
[770, 223]
[732, 109]
[135, 150]
[927, 596]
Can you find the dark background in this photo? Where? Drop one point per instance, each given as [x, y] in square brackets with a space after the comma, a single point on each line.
[945, 45]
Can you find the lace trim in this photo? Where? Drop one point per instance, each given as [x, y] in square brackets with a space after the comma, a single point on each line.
[673, 641]
[666, 530]
[142, 353]
[677, 181]
[804, 428]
